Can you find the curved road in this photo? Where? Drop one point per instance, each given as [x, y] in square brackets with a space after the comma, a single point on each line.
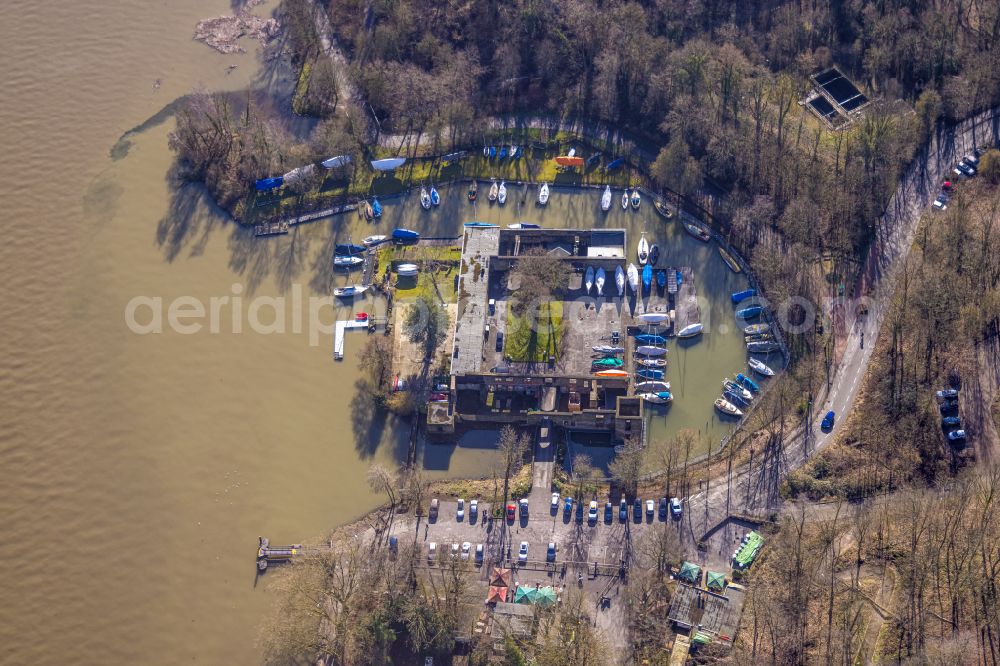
[754, 490]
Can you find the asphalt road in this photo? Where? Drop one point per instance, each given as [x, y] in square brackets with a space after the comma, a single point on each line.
[753, 490]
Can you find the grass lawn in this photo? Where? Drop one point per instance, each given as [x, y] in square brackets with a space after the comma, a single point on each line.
[526, 344]
[438, 285]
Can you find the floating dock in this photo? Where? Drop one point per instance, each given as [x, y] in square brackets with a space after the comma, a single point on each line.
[338, 340]
[267, 554]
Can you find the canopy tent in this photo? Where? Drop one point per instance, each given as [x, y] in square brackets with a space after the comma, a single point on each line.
[547, 596]
[715, 581]
[702, 638]
[690, 572]
[500, 577]
[525, 595]
[496, 594]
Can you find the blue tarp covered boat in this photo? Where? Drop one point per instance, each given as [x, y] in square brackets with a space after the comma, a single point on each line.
[747, 383]
[376, 208]
[404, 235]
[743, 295]
[265, 184]
[661, 279]
[750, 312]
[649, 373]
[647, 276]
[616, 164]
[484, 225]
[651, 339]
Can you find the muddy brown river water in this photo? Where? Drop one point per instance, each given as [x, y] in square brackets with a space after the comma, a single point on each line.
[138, 470]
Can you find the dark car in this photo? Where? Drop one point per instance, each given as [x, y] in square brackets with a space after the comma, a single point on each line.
[499, 342]
[568, 506]
[663, 508]
[623, 511]
[949, 406]
[965, 169]
[827, 423]
[579, 512]
[951, 421]
[550, 553]
[608, 512]
[637, 509]
[947, 394]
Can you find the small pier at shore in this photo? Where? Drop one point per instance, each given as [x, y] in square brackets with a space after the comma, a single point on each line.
[268, 554]
[342, 327]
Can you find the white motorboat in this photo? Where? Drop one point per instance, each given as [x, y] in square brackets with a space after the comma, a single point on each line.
[349, 291]
[588, 278]
[606, 199]
[643, 251]
[494, 191]
[653, 317]
[543, 194]
[620, 279]
[599, 281]
[346, 261]
[502, 194]
[633, 277]
[660, 398]
[407, 270]
[653, 386]
[760, 368]
[652, 362]
[425, 198]
[371, 241]
[650, 350]
[690, 330]
[727, 407]
[625, 200]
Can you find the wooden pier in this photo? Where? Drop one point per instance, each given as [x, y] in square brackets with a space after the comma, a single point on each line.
[271, 228]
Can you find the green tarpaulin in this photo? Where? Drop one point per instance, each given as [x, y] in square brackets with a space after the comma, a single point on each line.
[715, 580]
[748, 551]
[690, 572]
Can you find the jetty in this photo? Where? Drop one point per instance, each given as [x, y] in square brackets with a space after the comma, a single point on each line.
[686, 308]
[271, 228]
[268, 554]
[341, 327]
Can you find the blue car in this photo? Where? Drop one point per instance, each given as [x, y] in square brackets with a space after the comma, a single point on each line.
[951, 421]
[827, 422]
[568, 506]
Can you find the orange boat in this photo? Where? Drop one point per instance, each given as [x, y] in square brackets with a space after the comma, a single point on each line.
[611, 373]
[566, 160]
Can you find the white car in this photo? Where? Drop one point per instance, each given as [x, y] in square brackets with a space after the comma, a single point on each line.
[522, 552]
[555, 502]
[650, 508]
[454, 550]
[460, 513]
[479, 554]
[432, 550]
[466, 548]
[473, 509]
[941, 202]
[592, 512]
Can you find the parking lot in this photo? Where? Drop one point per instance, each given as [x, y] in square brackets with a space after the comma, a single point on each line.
[580, 542]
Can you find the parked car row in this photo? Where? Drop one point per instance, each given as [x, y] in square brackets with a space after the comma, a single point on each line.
[967, 167]
[951, 422]
[672, 506]
[457, 551]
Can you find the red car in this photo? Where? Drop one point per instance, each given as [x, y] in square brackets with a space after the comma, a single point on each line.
[439, 397]
[946, 186]
[511, 510]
